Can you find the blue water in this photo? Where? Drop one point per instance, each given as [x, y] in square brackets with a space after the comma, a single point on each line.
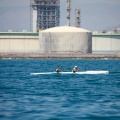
[59, 97]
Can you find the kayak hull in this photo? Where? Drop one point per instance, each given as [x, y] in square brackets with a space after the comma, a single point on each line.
[82, 72]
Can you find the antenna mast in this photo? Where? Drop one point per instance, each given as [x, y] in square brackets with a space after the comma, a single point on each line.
[68, 10]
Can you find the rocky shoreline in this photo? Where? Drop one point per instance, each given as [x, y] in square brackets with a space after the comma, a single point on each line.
[15, 55]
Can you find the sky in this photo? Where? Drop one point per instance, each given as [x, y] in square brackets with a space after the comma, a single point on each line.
[96, 15]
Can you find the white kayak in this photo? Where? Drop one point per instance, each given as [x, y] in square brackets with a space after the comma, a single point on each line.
[82, 72]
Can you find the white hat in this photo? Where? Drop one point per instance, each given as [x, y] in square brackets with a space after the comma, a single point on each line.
[75, 66]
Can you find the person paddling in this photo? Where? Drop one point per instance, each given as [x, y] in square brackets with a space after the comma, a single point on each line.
[74, 69]
[58, 69]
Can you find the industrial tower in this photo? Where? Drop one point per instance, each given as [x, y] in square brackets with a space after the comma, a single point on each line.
[44, 14]
[68, 10]
[77, 17]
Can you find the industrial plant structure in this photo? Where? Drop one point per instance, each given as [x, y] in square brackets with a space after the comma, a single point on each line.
[57, 41]
[44, 14]
[30, 42]
[65, 39]
[105, 43]
[19, 42]
[68, 10]
[77, 17]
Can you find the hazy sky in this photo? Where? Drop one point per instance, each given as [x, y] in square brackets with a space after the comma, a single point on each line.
[95, 14]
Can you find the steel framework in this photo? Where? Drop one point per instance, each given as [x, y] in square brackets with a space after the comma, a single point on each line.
[68, 10]
[77, 17]
[44, 14]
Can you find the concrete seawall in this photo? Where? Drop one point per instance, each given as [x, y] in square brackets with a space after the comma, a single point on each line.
[52, 56]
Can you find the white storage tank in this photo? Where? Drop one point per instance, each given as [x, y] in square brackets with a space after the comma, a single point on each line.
[65, 39]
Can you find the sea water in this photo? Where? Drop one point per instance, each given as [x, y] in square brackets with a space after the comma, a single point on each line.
[56, 96]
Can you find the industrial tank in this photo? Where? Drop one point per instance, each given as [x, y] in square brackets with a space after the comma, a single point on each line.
[65, 39]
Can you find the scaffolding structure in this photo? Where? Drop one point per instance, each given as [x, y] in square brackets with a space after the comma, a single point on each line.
[77, 17]
[44, 14]
[68, 10]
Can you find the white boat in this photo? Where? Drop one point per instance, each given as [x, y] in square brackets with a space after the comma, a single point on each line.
[81, 72]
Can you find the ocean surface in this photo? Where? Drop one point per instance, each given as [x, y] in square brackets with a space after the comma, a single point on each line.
[56, 96]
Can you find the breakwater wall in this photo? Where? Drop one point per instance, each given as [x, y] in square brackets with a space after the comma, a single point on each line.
[61, 55]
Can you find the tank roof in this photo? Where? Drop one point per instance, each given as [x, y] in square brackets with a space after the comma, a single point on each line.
[65, 29]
